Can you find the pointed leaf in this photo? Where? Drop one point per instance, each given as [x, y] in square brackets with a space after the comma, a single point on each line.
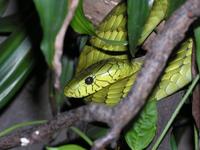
[138, 12]
[80, 23]
[143, 130]
[52, 14]
[16, 63]
[197, 40]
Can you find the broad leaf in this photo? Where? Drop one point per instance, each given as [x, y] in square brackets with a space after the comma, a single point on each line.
[80, 23]
[197, 40]
[67, 147]
[143, 129]
[52, 14]
[138, 12]
[9, 23]
[3, 6]
[16, 63]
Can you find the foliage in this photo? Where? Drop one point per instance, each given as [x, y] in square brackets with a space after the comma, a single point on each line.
[197, 38]
[16, 63]
[18, 60]
[48, 12]
[80, 23]
[139, 12]
[144, 128]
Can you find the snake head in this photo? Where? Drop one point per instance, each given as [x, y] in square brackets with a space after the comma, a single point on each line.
[96, 77]
[81, 85]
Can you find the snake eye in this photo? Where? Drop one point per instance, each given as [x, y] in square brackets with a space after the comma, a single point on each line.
[89, 80]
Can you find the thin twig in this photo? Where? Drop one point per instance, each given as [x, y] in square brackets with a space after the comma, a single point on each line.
[57, 64]
[60, 40]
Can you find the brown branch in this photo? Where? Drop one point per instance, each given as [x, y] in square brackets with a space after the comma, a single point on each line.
[117, 117]
[160, 49]
[59, 42]
[66, 119]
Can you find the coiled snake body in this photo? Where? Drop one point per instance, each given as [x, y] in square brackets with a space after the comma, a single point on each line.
[105, 73]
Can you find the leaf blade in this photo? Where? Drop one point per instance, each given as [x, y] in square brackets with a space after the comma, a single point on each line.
[51, 14]
[16, 63]
[80, 23]
[138, 12]
[144, 128]
[197, 40]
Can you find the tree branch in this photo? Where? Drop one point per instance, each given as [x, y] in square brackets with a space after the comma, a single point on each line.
[57, 64]
[117, 117]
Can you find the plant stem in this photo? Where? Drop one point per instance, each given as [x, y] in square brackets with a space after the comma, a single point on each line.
[196, 140]
[82, 135]
[175, 113]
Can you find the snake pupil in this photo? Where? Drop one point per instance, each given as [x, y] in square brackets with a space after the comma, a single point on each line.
[89, 80]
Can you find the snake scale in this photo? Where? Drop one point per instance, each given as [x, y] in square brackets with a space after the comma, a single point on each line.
[105, 73]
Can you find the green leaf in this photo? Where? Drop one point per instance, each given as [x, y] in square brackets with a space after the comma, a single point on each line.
[173, 5]
[66, 75]
[144, 128]
[67, 147]
[3, 6]
[80, 23]
[197, 40]
[20, 125]
[16, 63]
[138, 12]
[173, 142]
[9, 23]
[196, 138]
[52, 14]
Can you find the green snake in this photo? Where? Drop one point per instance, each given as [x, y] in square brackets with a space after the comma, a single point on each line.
[105, 73]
